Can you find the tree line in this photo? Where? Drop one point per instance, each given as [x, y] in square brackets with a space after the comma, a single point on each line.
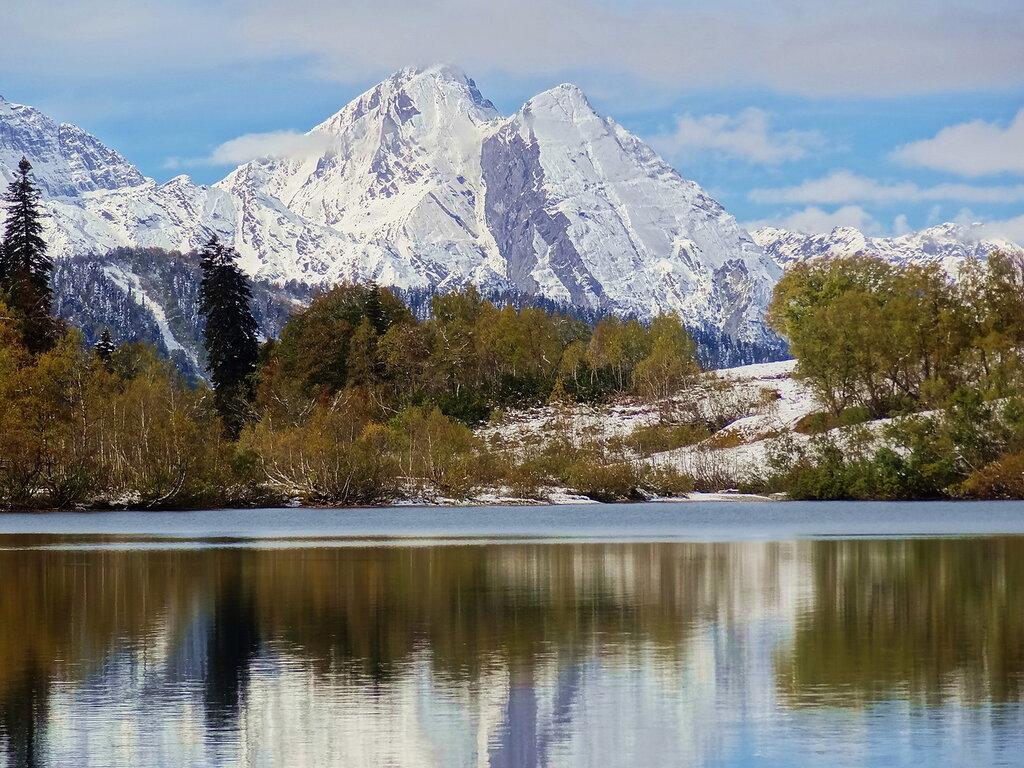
[358, 401]
[940, 356]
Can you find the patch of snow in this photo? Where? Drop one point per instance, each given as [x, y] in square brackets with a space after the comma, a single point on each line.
[130, 283]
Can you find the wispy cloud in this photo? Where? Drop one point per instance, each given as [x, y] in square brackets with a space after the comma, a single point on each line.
[841, 187]
[976, 148]
[253, 146]
[745, 136]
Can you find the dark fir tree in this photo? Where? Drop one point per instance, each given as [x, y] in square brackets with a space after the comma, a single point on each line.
[232, 347]
[105, 348]
[24, 265]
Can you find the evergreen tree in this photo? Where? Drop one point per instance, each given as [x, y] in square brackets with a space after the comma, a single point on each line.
[24, 265]
[105, 348]
[4, 268]
[232, 348]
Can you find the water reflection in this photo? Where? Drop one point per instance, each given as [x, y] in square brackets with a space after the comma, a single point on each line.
[827, 652]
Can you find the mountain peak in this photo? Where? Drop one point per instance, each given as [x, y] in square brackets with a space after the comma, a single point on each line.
[67, 160]
[846, 232]
[440, 70]
[566, 98]
[414, 91]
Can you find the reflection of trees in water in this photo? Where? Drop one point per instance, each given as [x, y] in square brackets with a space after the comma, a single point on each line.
[233, 643]
[884, 615]
[470, 605]
[930, 619]
[22, 715]
[66, 613]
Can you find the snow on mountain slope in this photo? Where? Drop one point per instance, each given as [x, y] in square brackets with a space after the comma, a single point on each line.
[392, 197]
[177, 215]
[582, 210]
[947, 245]
[420, 183]
[67, 160]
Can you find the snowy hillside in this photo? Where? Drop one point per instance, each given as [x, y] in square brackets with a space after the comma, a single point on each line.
[420, 183]
[726, 425]
[947, 245]
[153, 296]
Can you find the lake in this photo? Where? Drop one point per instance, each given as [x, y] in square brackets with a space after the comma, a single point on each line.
[720, 634]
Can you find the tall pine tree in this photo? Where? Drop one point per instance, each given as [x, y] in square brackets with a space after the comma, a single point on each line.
[24, 265]
[232, 347]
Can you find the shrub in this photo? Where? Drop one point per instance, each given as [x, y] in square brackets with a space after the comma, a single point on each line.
[657, 438]
[816, 423]
[1002, 479]
[667, 481]
[435, 452]
[605, 482]
[337, 456]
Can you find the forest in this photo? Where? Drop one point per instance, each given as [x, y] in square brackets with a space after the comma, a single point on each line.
[362, 401]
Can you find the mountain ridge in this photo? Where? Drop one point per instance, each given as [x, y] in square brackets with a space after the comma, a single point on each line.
[947, 245]
[420, 183]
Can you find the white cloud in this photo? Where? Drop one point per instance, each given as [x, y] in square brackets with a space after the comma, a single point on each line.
[814, 220]
[1007, 229]
[900, 225]
[844, 47]
[975, 148]
[274, 144]
[843, 186]
[745, 136]
[252, 146]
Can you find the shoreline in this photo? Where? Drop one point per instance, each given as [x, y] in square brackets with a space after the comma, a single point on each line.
[560, 499]
[565, 501]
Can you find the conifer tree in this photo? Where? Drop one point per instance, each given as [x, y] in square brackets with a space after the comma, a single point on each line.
[232, 348]
[25, 266]
[105, 348]
[4, 268]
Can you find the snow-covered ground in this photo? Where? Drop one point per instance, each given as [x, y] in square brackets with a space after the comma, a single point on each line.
[741, 448]
[131, 284]
[758, 403]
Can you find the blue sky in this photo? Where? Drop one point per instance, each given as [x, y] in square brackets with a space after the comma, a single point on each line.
[886, 115]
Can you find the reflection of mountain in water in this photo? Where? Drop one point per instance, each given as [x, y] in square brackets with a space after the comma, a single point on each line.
[525, 655]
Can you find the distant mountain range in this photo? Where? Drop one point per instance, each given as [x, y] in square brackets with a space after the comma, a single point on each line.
[422, 185]
[947, 245]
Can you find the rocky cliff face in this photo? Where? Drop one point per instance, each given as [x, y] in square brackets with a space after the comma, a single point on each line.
[67, 161]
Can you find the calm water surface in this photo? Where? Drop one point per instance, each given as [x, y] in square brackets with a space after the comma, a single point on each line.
[660, 635]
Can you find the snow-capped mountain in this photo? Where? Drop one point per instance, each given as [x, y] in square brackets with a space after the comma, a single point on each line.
[66, 160]
[421, 183]
[947, 245]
